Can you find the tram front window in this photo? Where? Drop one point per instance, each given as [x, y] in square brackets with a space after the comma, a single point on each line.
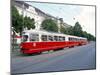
[25, 38]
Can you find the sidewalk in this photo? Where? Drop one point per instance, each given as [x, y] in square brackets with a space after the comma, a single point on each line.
[15, 50]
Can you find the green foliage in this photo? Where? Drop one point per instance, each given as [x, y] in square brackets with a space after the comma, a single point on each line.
[19, 22]
[50, 25]
[63, 30]
[16, 19]
[29, 23]
[68, 30]
[77, 29]
[89, 36]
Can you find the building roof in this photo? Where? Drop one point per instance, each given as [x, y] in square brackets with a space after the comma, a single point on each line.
[22, 2]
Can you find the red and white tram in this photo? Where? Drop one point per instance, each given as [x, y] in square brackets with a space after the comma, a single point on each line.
[39, 41]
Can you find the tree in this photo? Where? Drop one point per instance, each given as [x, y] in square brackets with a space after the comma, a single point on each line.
[63, 30]
[77, 29]
[19, 22]
[70, 30]
[16, 20]
[29, 23]
[89, 36]
[50, 25]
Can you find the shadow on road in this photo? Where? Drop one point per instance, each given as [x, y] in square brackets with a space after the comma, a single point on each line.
[18, 54]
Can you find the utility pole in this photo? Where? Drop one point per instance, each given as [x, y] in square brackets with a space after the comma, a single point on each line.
[13, 36]
[22, 28]
[23, 18]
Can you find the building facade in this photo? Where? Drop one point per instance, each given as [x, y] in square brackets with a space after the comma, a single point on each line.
[32, 12]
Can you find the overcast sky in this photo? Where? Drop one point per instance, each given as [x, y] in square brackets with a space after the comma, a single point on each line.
[85, 15]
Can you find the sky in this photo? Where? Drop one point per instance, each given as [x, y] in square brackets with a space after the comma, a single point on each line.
[85, 15]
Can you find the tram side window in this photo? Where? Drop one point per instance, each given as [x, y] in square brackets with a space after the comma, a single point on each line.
[50, 38]
[72, 39]
[69, 39]
[44, 37]
[61, 38]
[34, 37]
[76, 39]
[56, 38]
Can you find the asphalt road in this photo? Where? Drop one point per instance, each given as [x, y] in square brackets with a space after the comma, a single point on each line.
[77, 58]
